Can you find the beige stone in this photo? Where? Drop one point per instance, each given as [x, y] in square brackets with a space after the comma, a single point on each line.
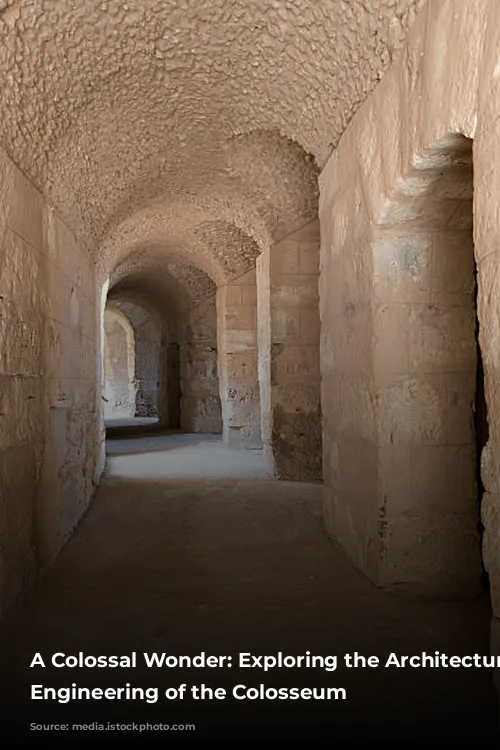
[285, 238]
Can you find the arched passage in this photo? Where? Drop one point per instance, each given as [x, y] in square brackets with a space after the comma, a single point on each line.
[173, 312]
[119, 366]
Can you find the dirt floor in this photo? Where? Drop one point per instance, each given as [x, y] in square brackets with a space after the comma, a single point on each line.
[190, 548]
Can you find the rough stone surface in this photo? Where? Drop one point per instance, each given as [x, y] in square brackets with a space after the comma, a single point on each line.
[403, 218]
[109, 105]
[238, 362]
[48, 375]
[290, 374]
[164, 151]
[170, 304]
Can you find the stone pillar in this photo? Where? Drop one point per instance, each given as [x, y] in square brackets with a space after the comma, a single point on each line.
[199, 382]
[289, 355]
[237, 348]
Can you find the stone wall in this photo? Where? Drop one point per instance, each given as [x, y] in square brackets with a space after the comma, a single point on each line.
[150, 377]
[425, 363]
[199, 382]
[398, 350]
[48, 371]
[238, 362]
[289, 353]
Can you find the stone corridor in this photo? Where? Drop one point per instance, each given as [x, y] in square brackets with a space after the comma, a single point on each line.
[188, 547]
[250, 343]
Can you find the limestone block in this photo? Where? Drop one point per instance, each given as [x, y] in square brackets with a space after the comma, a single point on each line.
[370, 158]
[240, 341]
[232, 295]
[6, 181]
[25, 215]
[249, 295]
[297, 397]
[390, 338]
[486, 187]
[309, 325]
[390, 131]
[352, 341]
[449, 67]
[20, 341]
[356, 414]
[422, 214]
[309, 258]
[330, 287]
[489, 310]
[286, 324]
[452, 280]
[296, 444]
[297, 291]
[356, 276]
[460, 393]
[242, 407]
[402, 268]
[241, 318]
[334, 219]
[330, 459]
[441, 339]
[412, 410]
[355, 451]
[436, 555]
[60, 297]
[20, 411]
[23, 274]
[242, 366]
[62, 353]
[285, 258]
[331, 384]
[294, 364]
[427, 481]
[65, 392]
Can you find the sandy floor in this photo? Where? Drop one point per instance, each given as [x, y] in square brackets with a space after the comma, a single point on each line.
[188, 547]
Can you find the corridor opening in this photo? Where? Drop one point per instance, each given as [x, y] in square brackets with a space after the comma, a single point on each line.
[175, 382]
[119, 368]
[432, 418]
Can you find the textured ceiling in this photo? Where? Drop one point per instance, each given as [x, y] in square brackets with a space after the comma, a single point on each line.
[170, 287]
[182, 122]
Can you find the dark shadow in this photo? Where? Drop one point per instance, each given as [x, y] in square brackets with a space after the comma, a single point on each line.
[174, 385]
[140, 430]
[481, 429]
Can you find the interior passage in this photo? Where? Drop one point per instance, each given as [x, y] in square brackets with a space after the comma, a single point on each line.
[250, 348]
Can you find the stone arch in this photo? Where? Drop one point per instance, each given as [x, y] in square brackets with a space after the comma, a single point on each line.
[181, 298]
[148, 340]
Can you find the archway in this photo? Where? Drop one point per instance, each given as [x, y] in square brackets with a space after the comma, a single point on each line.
[173, 314]
[119, 367]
